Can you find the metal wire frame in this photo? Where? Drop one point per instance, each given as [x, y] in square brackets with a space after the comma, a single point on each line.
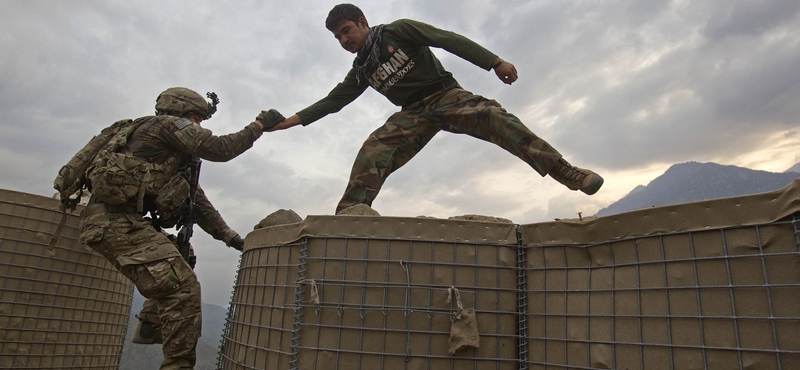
[244, 318]
[796, 232]
[298, 297]
[522, 304]
[228, 318]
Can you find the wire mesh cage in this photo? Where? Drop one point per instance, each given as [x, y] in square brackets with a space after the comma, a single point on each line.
[60, 308]
[355, 301]
[706, 285]
[713, 299]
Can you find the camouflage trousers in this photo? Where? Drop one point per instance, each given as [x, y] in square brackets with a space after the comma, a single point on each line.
[152, 262]
[406, 132]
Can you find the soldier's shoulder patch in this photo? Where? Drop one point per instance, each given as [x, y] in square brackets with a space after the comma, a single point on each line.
[182, 122]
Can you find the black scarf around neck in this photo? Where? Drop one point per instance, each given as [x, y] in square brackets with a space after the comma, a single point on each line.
[367, 58]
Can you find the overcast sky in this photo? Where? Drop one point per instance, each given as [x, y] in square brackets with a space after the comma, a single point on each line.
[626, 88]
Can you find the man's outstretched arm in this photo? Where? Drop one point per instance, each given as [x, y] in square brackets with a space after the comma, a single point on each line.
[294, 120]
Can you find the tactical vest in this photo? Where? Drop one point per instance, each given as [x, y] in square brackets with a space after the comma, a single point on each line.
[168, 188]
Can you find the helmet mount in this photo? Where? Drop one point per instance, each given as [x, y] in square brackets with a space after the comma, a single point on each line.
[183, 102]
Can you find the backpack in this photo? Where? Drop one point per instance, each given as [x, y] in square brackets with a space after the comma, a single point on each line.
[71, 179]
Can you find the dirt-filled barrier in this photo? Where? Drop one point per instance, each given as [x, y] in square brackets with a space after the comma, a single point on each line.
[704, 285]
[374, 292]
[60, 308]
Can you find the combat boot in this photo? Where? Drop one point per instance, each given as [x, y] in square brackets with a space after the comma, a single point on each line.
[146, 333]
[576, 178]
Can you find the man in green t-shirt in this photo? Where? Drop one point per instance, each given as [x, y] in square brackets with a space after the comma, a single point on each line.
[395, 59]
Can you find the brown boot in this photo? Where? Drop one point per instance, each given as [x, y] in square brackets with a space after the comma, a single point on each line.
[146, 333]
[576, 178]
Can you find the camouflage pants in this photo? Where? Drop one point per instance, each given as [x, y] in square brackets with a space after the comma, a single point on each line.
[406, 132]
[151, 261]
[149, 311]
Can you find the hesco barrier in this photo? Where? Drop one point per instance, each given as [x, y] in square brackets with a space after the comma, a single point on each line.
[60, 308]
[382, 285]
[705, 285]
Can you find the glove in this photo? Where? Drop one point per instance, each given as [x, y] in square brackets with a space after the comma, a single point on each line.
[270, 118]
[236, 243]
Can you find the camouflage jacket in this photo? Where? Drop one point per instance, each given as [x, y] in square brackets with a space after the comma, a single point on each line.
[160, 138]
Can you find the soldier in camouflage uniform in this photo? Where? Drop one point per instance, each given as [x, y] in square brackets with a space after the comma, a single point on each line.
[395, 59]
[136, 246]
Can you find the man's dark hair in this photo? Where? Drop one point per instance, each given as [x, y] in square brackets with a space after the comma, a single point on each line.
[343, 12]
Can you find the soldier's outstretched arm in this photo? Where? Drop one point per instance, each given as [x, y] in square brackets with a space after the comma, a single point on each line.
[193, 139]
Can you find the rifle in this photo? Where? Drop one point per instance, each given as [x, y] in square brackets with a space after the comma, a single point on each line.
[186, 221]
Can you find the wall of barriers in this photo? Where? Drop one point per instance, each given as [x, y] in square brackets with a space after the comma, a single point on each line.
[706, 285]
[60, 308]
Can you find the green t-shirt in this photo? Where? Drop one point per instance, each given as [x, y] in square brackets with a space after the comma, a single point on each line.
[407, 66]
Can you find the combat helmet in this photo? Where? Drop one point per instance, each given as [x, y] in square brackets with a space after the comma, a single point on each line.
[183, 102]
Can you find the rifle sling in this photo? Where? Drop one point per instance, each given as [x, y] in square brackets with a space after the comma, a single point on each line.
[59, 230]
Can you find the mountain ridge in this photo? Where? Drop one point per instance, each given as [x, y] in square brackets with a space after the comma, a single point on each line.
[695, 181]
